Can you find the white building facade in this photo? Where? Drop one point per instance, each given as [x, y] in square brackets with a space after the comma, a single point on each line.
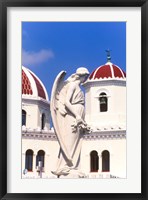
[103, 153]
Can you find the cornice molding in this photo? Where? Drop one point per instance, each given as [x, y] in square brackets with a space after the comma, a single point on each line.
[91, 136]
[38, 136]
[106, 82]
[36, 101]
[105, 135]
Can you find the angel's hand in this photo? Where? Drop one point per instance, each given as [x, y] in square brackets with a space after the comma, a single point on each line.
[79, 120]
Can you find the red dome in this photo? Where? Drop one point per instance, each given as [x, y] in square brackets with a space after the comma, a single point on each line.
[108, 70]
[32, 85]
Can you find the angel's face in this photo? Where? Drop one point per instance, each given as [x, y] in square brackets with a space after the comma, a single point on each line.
[83, 78]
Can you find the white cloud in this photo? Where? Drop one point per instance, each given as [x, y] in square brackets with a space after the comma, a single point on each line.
[31, 57]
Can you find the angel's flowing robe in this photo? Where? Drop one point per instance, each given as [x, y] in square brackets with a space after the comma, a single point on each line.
[72, 137]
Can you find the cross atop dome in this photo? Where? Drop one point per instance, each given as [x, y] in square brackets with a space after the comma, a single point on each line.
[108, 55]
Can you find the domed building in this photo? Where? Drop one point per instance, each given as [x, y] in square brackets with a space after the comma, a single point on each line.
[39, 142]
[105, 93]
[105, 99]
[34, 100]
[103, 153]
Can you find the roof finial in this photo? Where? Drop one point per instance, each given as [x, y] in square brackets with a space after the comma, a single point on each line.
[108, 55]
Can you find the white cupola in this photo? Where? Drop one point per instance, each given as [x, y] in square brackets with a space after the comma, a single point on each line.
[35, 102]
[105, 96]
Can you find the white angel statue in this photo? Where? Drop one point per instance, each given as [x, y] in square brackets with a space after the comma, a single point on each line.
[67, 111]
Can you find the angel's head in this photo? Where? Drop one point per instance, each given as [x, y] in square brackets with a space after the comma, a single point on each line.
[82, 73]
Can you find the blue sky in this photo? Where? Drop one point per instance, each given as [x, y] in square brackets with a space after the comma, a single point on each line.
[49, 47]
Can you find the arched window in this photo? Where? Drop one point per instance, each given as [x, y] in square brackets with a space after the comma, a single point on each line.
[103, 102]
[105, 161]
[43, 119]
[29, 160]
[23, 118]
[94, 161]
[40, 157]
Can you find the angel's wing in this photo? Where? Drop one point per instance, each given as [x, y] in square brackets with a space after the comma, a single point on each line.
[57, 107]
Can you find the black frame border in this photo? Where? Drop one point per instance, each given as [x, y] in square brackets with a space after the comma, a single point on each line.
[4, 4]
